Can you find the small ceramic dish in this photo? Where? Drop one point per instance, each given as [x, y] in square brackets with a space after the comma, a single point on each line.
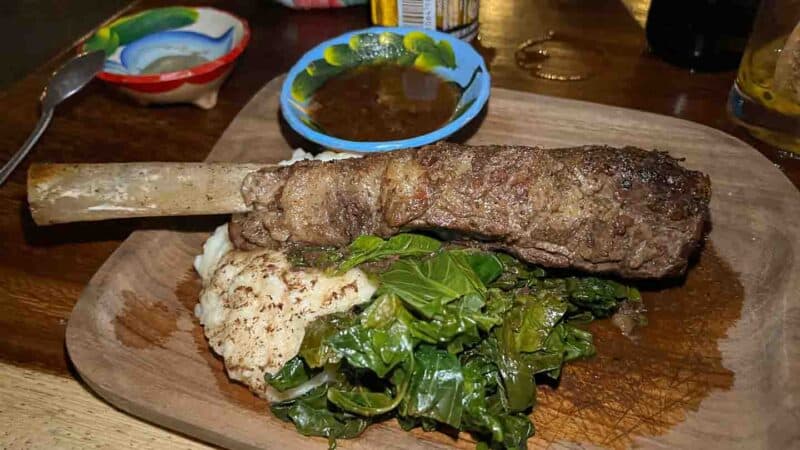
[447, 56]
[171, 55]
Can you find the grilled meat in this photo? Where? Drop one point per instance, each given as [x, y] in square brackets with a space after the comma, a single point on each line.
[625, 211]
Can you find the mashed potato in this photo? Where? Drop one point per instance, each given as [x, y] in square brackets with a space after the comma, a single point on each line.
[300, 154]
[255, 306]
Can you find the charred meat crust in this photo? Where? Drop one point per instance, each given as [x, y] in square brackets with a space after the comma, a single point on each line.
[626, 211]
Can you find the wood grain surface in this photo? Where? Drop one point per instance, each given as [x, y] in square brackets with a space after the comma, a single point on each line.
[44, 411]
[713, 373]
[44, 269]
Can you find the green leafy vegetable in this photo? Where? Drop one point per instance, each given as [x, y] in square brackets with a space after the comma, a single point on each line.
[437, 387]
[376, 349]
[372, 248]
[315, 349]
[515, 274]
[480, 376]
[453, 337]
[527, 326]
[498, 302]
[361, 400]
[486, 265]
[458, 325]
[312, 416]
[517, 428]
[428, 284]
[518, 385]
[364, 402]
[601, 297]
[322, 422]
[317, 257]
[292, 374]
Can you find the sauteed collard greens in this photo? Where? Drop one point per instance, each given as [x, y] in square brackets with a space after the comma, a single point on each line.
[452, 338]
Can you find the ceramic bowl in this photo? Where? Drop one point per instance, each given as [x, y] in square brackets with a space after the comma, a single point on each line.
[447, 56]
[171, 55]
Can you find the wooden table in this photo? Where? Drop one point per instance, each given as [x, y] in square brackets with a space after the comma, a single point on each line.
[43, 270]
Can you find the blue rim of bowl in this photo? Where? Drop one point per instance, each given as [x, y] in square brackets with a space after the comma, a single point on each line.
[383, 146]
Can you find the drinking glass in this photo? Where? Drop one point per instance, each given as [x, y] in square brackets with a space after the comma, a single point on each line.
[766, 95]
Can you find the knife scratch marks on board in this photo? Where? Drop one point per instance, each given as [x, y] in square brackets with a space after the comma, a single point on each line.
[645, 386]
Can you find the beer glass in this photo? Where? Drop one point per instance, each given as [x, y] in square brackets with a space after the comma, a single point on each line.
[766, 95]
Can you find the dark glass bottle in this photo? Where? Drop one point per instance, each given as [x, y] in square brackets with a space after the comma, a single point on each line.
[700, 34]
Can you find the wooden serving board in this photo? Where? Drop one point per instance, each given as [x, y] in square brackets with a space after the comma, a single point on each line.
[717, 366]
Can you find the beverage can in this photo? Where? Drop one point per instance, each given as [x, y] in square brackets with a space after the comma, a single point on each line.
[457, 17]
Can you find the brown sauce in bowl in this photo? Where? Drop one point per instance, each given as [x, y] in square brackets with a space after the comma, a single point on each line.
[383, 102]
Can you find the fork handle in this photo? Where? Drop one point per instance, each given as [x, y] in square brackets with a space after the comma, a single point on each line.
[37, 132]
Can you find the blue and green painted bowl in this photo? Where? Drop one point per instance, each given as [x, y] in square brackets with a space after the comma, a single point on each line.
[209, 39]
[447, 56]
